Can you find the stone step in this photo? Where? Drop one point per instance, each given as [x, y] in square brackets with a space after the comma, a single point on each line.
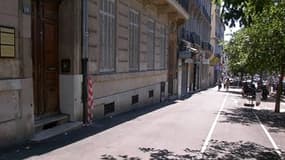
[57, 130]
[50, 121]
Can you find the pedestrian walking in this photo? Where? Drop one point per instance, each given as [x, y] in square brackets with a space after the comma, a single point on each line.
[227, 84]
[219, 84]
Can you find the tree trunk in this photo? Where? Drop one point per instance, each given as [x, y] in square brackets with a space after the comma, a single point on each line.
[279, 91]
[261, 78]
[241, 79]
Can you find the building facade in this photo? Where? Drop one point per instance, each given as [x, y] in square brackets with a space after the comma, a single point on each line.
[195, 48]
[217, 37]
[49, 48]
[130, 68]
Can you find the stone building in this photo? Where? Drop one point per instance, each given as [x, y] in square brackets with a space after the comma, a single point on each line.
[50, 47]
[195, 48]
[217, 37]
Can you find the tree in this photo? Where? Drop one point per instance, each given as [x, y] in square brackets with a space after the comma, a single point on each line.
[235, 50]
[242, 11]
[270, 28]
[260, 47]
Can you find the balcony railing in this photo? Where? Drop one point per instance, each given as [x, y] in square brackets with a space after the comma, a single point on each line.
[206, 14]
[204, 45]
[195, 38]
[184, 4]
[210, 48]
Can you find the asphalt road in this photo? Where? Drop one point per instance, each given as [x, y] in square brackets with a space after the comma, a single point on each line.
[207, 125]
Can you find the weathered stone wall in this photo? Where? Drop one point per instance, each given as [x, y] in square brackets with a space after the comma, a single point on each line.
[16, 88]
[120, 86]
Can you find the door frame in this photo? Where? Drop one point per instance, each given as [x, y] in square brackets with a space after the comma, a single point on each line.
[40, 109]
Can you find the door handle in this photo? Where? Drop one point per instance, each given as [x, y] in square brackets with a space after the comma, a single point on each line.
[51, 68]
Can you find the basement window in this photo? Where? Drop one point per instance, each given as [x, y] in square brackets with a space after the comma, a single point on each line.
[135, 99]
[109, 108]
[162, 87]
[150, 93]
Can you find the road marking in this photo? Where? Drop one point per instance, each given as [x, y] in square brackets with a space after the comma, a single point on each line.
[204, 147]
[277, 150]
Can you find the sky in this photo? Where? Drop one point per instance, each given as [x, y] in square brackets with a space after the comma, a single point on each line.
[229, 31]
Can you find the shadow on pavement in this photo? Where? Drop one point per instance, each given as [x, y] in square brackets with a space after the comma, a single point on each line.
[231, 91]
[245, 116]
[220, 150]
[272, 99]
[276, 121]
[29, 149]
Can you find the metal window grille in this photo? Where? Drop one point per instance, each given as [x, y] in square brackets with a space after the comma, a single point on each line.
[150, 44]
[133, 40]
[107, 35]
[162, 47]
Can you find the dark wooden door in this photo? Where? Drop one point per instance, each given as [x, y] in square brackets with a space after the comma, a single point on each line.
[184, 78]
[45, 56]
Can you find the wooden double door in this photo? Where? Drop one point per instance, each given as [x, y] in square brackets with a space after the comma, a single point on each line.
[45, 56]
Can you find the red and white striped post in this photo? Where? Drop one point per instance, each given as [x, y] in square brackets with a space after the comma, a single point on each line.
[90, 100]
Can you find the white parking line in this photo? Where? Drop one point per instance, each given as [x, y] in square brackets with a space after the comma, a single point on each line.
[277, 150]
[204, 147]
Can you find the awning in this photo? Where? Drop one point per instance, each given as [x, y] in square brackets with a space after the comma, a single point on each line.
[193, 49]
[188, 46]
[185, 50]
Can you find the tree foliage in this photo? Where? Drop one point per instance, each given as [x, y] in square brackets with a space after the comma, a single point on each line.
[242, 11]
[261, 47]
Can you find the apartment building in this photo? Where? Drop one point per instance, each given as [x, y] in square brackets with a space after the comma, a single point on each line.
[195, 48]
[50, 48]
[217, 37]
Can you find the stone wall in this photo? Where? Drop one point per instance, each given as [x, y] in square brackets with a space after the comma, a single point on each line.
[16, 88]
[120, 86]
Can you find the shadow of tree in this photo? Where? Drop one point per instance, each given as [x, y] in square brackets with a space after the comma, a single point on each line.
[220, 150]
[272, 99]
[247, 117]
[21, 151]
[271, 119]
[166, 154]
[240, 150]
[243, 116]
[121, 157]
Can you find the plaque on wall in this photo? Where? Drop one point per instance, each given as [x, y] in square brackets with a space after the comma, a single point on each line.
[7, 42]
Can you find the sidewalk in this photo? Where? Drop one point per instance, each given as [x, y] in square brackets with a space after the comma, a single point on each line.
[273, 122]
[32, 149]
[268, 104]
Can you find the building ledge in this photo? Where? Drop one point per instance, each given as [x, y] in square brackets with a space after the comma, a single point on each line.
[179, 8]
[170, 7]
[128, 75]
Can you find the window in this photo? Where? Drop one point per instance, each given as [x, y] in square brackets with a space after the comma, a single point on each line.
[133, 40]
[107, 35]
[162, 87]
[150, 44]
[162, 47]
[150, 94]
[109, 108]
[135, 99]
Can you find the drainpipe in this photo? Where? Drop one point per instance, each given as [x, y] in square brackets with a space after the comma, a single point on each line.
[84, 58]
